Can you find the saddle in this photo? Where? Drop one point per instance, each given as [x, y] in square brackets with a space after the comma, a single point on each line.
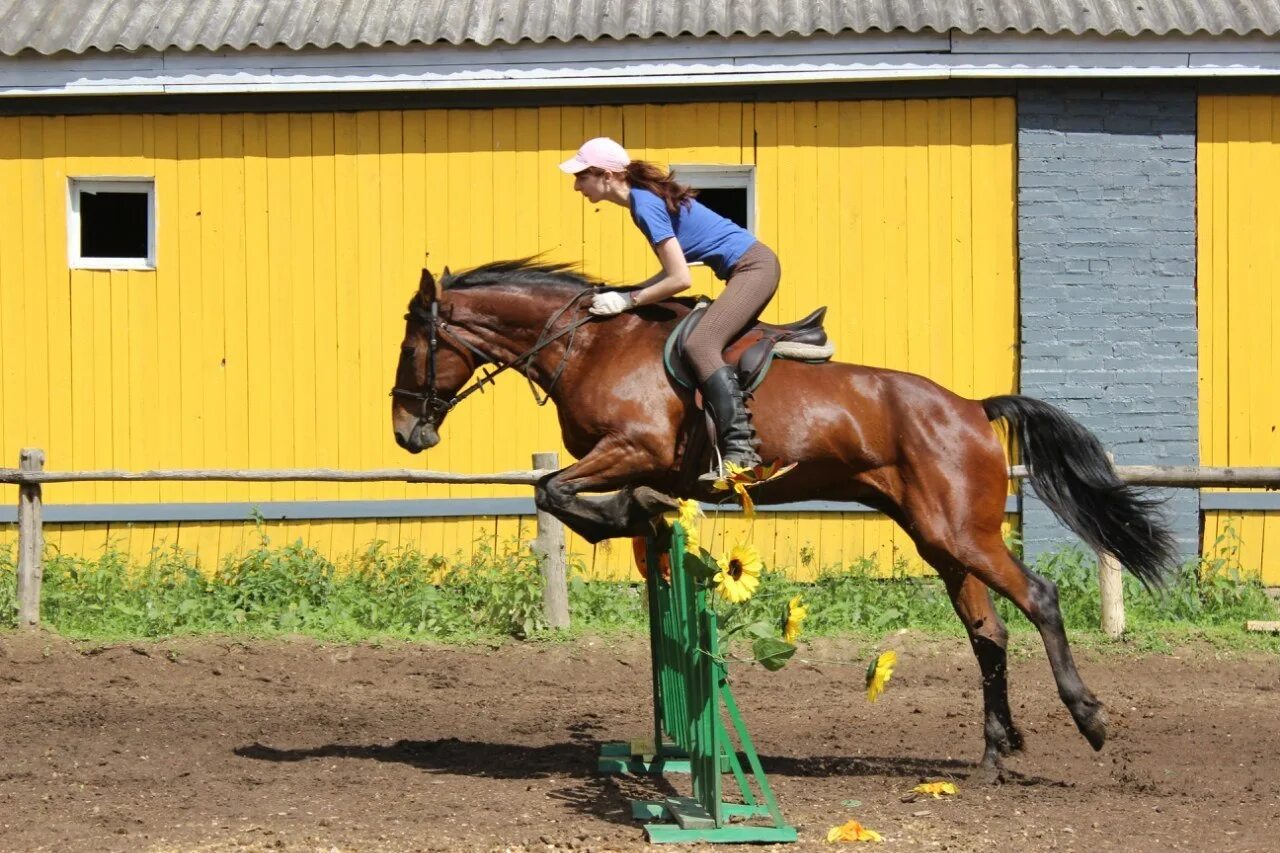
[752, 351]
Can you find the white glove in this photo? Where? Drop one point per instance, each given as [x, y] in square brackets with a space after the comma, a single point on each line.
[609, 303]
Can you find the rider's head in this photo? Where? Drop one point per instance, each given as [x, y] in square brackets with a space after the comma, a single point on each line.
[599, 170]
[603, 171]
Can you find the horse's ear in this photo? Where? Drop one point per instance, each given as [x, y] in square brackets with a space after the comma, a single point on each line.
[428, 291]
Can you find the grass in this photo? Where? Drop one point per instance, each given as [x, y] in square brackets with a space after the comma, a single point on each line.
[402, 594]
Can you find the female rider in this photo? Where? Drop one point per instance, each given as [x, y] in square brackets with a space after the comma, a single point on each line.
[682, 231]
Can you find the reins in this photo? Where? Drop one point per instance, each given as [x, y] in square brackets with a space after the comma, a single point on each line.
[435, 407]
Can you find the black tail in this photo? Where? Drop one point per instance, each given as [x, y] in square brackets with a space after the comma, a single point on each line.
[1072, 475]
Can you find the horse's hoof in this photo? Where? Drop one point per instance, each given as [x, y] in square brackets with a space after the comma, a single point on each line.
[653, 501]
[988, 772]
[1094, 727]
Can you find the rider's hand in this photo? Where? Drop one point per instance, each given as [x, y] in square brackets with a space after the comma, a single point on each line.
[610, 302]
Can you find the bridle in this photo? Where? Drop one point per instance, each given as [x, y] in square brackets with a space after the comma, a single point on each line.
[434, 405]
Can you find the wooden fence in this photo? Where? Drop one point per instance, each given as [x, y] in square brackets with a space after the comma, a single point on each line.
[550, 538]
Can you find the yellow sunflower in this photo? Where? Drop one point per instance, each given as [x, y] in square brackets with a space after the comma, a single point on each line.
[739, 573]
[879, 673]
[852, 831]
[690, 512]
[737, 479]
[795, 615]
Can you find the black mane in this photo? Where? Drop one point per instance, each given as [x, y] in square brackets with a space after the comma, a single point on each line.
[523, 272]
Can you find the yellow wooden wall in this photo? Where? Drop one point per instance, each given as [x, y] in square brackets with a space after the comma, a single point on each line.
[1238, 154]
[288, 246]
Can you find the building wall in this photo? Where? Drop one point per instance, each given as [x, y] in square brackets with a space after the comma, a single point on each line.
[1239, 315]
[289, 245]
[1107, 241]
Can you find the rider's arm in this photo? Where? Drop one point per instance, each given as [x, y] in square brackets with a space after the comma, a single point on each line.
[674, 277]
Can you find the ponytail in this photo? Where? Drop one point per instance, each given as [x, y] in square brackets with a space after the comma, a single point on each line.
[641, 173]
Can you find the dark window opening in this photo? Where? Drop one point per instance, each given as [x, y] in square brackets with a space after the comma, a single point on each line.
[729, 202]
[114, 224]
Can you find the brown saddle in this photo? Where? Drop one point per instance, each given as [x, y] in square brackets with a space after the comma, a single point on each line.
[753, 351]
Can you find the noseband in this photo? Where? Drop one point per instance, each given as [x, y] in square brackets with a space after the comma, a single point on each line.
[434, 405]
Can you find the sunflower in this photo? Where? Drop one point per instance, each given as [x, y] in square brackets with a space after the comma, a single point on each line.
[852, 831]
[879, 673]
[739, 573]
[739, 478]
[690, 512]
[791, 623]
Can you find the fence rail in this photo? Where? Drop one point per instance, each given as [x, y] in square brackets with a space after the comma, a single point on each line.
[549, 542]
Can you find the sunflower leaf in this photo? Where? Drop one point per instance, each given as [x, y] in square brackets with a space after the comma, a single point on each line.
[772, 653]
[762, 629]
[701, 565]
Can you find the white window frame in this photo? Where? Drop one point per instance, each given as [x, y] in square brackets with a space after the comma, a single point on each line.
[109, 183]
[706, 176]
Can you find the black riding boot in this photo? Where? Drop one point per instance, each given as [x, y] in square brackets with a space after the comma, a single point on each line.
[723, 397]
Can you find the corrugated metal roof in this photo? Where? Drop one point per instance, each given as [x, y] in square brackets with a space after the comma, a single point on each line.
[81, 25]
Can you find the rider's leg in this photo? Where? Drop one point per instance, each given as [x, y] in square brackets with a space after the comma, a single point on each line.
[750, 287]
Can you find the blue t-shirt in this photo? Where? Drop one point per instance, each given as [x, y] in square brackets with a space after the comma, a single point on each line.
[704, 235]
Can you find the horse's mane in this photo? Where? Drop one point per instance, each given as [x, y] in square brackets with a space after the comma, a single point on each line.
[522, 272]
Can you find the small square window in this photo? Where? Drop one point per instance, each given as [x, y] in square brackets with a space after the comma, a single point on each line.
[112, 224]
[728, 190]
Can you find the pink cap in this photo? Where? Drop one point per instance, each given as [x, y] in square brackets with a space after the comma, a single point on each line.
[601, 152]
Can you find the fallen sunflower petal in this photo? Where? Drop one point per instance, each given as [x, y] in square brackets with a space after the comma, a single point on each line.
[937, 789]
[879, 673]
[852, 831]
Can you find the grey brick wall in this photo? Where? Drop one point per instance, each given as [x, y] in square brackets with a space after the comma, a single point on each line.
[1106, 232]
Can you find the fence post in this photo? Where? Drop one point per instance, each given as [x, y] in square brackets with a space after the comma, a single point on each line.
[30, 541]
[549, 544]
[1111, 591]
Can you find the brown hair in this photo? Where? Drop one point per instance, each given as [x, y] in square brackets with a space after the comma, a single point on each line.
[641, 173]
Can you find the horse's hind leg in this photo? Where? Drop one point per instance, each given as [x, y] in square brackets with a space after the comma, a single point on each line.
[964, 538]
[1037, 597]
[989, 639]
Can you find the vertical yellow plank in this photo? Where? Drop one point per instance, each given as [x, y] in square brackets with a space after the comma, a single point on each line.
[190, 290]
[260, 412]
[13, 251]
[916, 279]
[235, 300]
[370, 273]
[872, 316]
[942, 328]
[212, 318]
[391, 294]
[304, 309]
[962, 187]
[348, 293]
[278, 301]
[985, 356]
[324, 300]
[896, 308]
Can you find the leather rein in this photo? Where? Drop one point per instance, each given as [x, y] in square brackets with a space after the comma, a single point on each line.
[434, 405]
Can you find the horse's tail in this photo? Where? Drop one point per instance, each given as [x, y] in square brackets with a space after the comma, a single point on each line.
[1072, 475]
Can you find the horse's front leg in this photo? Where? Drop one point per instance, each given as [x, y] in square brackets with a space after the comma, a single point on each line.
[630, 511]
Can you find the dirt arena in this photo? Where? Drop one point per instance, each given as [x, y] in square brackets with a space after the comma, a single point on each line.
[212, 745]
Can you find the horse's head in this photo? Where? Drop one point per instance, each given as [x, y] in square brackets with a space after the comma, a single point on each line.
[432, 368]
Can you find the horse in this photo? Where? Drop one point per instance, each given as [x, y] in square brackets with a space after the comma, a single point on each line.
[894, 441]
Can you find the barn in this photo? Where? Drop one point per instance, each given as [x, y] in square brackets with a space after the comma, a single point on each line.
[216, 210]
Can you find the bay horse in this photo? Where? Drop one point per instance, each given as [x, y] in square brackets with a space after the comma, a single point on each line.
[894, 441]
